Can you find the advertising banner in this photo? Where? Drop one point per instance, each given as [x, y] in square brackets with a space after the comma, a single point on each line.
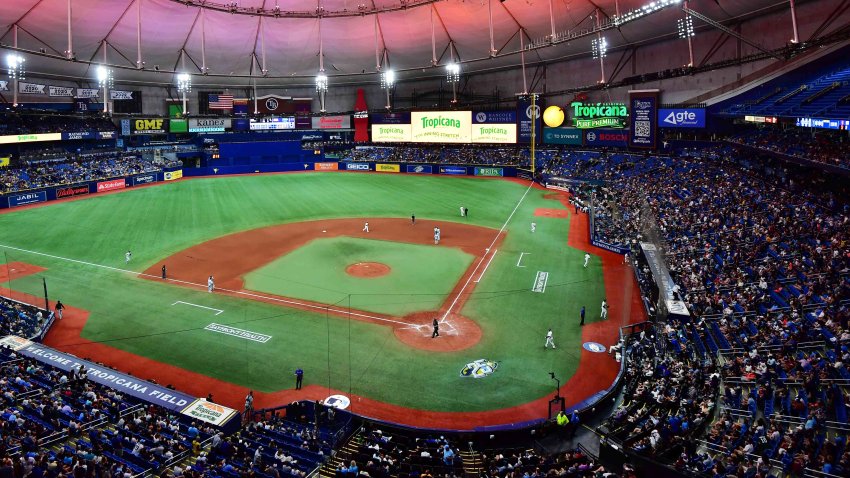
[326, 166]
[208, 125]
[69, 136]
[441, 126]
[120, 95]
[390, 118]
[357, 166]
[60, 91]
[387, 168]
[106, 134]
[271, 124]
[361, 118]
[681, 117]
[172, 175]
[144, 179]
[111, 185]
[30, 138]
[303, 122]
[23, 199]
[125, 127]
[494, 127]
[489, 171]
[4, 85]
[568, 136]
[823, 123]
[455, 170]
[420, 168]
[331, 122]
[87, 92]
[72, 191]
[526, 114]
[599, 115]
[607, 137]
[391, 133]
[643, 127]
[209, 412]
[31, 88]
[148, 126]
[178, 125]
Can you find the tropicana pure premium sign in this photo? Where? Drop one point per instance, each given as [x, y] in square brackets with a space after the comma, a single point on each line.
[599, 115]
[441, 126]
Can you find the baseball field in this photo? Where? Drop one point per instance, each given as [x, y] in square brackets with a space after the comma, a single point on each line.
[299, 283]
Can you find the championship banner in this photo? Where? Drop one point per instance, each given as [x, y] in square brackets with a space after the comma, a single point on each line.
[643, 127]
[111, 185]
[31, 88]
[120, 95]
[88, 92]
[441, 126]
[4, 85]
[387, 168]
[60, 91]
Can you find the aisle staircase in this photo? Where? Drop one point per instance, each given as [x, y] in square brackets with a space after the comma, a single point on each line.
[473, 463]
[342, 455]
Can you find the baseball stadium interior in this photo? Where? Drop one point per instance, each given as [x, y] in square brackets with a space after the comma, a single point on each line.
[205, 204]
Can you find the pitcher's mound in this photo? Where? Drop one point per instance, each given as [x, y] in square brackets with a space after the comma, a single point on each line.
[367, 270]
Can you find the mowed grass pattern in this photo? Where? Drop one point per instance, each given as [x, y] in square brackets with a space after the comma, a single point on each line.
[136, 315]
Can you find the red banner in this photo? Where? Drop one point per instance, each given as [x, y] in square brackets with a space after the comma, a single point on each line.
[110, 185]
[326, 166]
[72, 191]
[361, 118]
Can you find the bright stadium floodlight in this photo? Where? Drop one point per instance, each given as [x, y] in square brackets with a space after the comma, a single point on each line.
[104, 80]
[388, 79]
[599, 47]
[321, 83]
[452, 72]
[184, 83]
[686, 27]
[15, 66]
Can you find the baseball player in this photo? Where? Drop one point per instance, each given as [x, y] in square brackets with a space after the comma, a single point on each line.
[127, 256]
[586, 259]
[462, 210]
[604, 312]
[413, 219]
[210, 284]
[366, 227]
[436, 332]
[550, 340]
[533, 226]
[436, 235]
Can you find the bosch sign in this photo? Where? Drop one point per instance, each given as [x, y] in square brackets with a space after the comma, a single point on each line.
[681, 118]
[606, 137]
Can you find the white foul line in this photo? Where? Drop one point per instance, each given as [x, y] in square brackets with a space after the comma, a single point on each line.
[204, 286]
[485, 267]
[457, 297]
[520, 258]
[218, 311]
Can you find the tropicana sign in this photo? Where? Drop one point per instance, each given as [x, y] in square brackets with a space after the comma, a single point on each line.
[599, 115]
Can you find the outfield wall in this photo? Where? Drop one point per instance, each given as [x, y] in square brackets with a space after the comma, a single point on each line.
[40, 195]
[357, 166]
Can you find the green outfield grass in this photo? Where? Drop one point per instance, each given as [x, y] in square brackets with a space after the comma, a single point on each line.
[420, 279]
[136, 315]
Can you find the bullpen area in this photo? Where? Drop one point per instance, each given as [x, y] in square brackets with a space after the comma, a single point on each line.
[299, 282]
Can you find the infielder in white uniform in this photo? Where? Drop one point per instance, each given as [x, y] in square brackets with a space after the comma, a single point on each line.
[533, 226]
[586, 259]
[461, 211]
[366, 227]
[210, 284]
[550, 340]
[127, 256]
[436, 235]
[604, 312]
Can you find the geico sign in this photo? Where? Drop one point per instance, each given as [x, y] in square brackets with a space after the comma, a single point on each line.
[149, 124]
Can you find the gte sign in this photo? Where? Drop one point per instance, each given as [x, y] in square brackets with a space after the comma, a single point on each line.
[681, 118]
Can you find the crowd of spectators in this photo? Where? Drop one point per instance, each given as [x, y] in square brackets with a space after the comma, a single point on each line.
[825, 147]
[21, 319]
[37, 123]
[519, 156]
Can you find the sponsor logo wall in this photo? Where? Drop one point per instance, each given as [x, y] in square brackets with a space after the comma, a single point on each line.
[455, 170]
[567, 136]
[209, 125]
[111, 185]
[331, 122]
[16, 200]
[387, 168]
[489, 171]
[326, 166]
[72, 191]
[494, 127]
[681, 117]
[357, 166]
[172, 175]
[420, 168]
[643, 127]
[441, 126]
[606, 137]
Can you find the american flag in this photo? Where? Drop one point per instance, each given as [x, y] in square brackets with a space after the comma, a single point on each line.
[221, 102]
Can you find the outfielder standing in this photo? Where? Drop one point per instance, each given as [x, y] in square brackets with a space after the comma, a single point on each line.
[550, 340]
[127, 256]
[586, 259]
[462, 210]
[366, 227]
[436, 235]
[604, 312]
[533, 226]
